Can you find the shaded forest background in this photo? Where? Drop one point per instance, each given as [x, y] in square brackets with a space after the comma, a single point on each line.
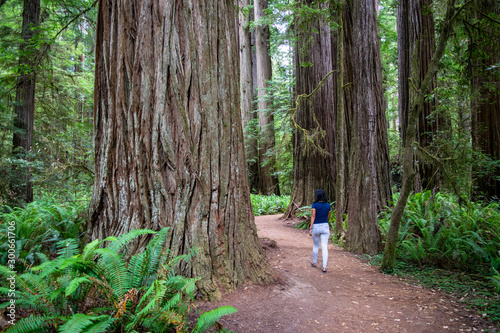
[59, 55]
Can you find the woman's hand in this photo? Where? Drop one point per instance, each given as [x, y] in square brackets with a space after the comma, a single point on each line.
[310, 232]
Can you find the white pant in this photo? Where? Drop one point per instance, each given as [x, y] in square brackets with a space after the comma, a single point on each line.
[320, 231]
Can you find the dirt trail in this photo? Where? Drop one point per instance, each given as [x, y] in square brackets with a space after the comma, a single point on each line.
[351, 297]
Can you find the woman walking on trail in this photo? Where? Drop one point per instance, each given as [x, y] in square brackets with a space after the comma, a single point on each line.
[319, 227]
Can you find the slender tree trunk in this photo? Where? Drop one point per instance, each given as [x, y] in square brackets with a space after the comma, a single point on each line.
[314, 147]
[341, 185]
[267, 155]
[486, 97]
[416, 106]
[247, 94]
[368, 181]
[25, 100]
[169, 141]
[416, 37]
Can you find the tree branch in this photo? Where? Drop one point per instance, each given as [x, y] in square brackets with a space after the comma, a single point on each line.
[310, 138]
[46, 45]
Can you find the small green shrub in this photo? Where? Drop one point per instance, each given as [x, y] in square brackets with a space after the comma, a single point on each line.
[269, 204]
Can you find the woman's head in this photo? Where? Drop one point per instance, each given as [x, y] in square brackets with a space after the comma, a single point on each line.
[320, 195]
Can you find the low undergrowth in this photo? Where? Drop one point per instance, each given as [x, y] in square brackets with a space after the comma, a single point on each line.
[96, 290]
[63, 285]
[437, 231]
[39, 227]
[269, 204]
[451, 247]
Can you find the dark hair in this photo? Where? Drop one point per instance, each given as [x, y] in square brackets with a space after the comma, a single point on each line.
[320, 195]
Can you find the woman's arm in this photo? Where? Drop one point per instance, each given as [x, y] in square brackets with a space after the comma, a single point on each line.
[313, 217]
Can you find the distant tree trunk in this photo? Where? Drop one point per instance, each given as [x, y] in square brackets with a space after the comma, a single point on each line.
[267, 155]
[416, 106]
[368, 181]
[313, 168]
[169, 141]
[247, 94]
[341, 183]
[486, 98]
[25, 99]
[416, 36]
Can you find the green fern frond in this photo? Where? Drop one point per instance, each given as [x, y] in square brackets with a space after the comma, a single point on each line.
[34, 282]
[48, 268]
[157, 290]
[124, 239]
[74, 284]
[67, 248]
[114, 268]
[155, 252]
[33, 303]
[32, 323]
[89, 250]
[190, 286]
[172, 302]
[136, 267]
[78, 322]
[5, 272]
[209, 318]
[100, 327]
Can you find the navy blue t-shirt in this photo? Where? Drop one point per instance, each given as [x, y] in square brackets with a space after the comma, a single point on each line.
[322, 209]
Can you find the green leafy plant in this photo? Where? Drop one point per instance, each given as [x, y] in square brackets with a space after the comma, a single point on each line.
[97, 290]
[438, 231]
[269, 204]
[39, 227]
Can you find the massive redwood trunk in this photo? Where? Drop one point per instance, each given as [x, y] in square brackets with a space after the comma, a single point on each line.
[25, 100]
[368, 154]
[169, 142]
[314, 148]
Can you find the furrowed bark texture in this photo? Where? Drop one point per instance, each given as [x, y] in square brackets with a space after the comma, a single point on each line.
[25, 99]
[267, 155]
[169, 141]
[368, 160]
[247, 93]
[312, 169]
[416, 44]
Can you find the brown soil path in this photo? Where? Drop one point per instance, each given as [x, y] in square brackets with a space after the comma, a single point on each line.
[351, 297]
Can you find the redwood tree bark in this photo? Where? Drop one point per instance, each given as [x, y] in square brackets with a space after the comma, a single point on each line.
[169, 141]
[267, 155]
[486, 98]
[25, 100]
[368, 156]
[312, 168]
[247, 94]
[416, 45]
